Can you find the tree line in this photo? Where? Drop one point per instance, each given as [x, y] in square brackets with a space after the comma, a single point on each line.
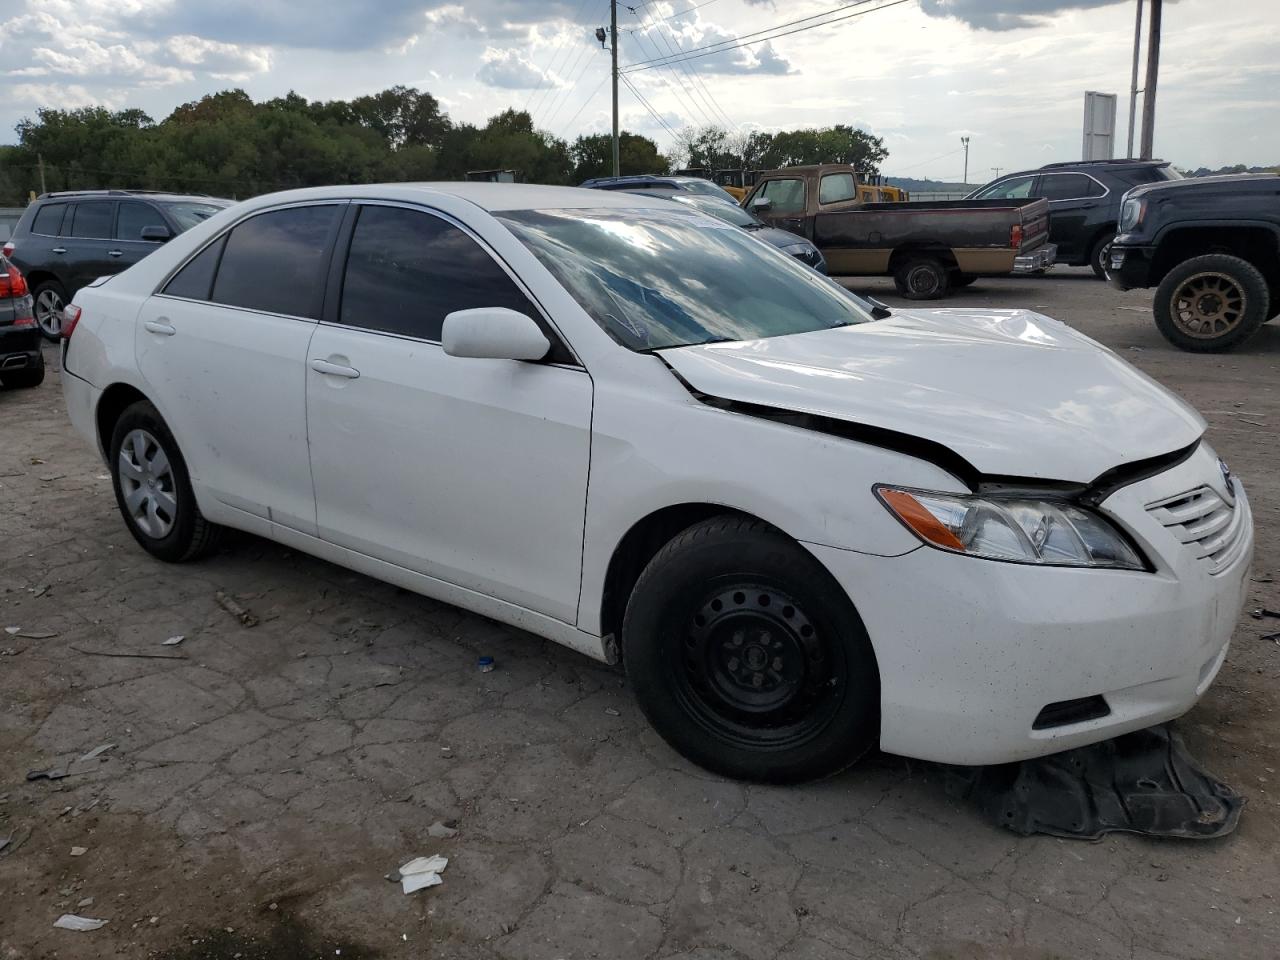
[225, 144]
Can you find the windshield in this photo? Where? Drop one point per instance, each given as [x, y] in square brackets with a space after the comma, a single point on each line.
[706, 188]
[656, 278]
[187, 213]
[728, 212]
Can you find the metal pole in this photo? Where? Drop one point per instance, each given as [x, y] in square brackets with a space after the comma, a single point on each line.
[1133, 84]
[997, 170]
[965, 141]
[40, 159]
[1153, 74]
[613, 36]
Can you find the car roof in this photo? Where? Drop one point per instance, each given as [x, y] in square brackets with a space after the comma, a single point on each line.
[160, 195]
[492, 197]
[653, 178]
[1084, 166]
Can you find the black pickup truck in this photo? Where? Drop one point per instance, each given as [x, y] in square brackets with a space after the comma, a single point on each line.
[1211, 248]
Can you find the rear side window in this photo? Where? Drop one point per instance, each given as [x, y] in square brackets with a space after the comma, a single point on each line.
[133, 216]
[91, 220]
[48, 221]
[407, 270]
[274, 262]
[1067, 186]
[836, 187]
[787, 195]
[195, 280]
[1014, 189]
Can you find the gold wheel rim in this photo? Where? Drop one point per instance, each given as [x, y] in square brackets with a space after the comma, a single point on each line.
[1208, 305]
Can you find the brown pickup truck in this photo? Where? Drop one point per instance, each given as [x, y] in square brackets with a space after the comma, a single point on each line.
[928, 247]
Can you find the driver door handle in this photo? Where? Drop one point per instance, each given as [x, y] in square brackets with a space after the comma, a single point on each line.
[59, 250]
[115, 253]
[331, 369]
[160, 327]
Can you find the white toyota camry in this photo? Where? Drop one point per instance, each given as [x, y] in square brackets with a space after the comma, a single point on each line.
[806, 525]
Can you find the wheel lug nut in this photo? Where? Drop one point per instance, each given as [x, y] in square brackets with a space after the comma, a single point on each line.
[738, 638]
[758, 680]
[734, 663]
[777, 663]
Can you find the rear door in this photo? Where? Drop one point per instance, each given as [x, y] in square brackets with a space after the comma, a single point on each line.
[1073, 200]
[223, 348]
[88, 237]
[782, 202]
[131, 218]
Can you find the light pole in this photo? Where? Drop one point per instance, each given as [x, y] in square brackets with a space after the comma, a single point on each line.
[965, 141]
[1133, 84]
[997, 170]
[1149, 88]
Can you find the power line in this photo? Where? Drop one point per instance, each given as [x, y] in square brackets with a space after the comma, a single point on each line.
[590, 97]
[682, 92]
[695, 81]
[548, 71]
[563, 96]
[695, 53]
[645, 103]
[677, 15]
[924, 163]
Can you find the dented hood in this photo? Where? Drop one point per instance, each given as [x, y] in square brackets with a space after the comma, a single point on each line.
[1012, 392]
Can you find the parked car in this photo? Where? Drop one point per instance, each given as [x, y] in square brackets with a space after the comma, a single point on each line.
[1211, 248]
[789, 243]
[64, 240]
[965, 535]
[1084, 201]
[21, 362]
[927, 247]
[661, 183]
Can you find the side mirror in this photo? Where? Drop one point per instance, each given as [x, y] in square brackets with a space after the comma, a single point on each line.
[493, 333]
[156, 234]
[761, 204]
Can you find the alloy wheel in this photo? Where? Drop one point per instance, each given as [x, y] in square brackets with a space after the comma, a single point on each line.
[147, 483]
[1207, 305]
[48, 310]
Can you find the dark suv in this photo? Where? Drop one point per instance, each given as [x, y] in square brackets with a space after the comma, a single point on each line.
[1084, 201]
[65, 240]
[21, 362]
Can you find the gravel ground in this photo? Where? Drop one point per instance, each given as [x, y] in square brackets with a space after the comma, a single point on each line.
[264, 779]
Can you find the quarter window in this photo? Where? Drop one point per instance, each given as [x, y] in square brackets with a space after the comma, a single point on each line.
[787, 195]
[837, 187]
[133, 216]
[48, 221]
[407, 270]
[195, 280]
[1013, 189]
[275, 261]
[92, 220]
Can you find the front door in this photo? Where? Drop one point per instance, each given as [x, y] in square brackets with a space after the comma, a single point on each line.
[87, 237]
[224, 355]
[780, 202]
[473, 472]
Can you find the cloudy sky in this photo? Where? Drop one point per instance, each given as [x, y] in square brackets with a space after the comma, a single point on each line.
[1011, 74]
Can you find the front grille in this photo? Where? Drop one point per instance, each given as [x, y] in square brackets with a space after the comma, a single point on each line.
[1204, 522]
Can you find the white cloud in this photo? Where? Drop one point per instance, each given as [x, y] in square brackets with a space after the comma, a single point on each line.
[509, 70]
[222, 61]
[65, 96]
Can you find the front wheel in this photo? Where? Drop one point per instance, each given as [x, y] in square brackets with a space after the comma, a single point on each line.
[1211, 303]
[1101, 256]
[153, 488]
[922, 278]
[747, 656]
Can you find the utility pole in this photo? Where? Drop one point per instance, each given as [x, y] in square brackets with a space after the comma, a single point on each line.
[997, 170]
[1133, 84]
[1149, 89]
[965, 141]
[40, 161]
[612, 37]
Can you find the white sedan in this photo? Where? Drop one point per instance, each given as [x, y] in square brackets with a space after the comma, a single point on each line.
[807, 526]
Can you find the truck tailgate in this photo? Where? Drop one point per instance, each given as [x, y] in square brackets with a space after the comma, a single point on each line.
[1035, 223]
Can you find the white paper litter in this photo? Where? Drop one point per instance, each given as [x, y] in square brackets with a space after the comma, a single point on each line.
[173, 641]
[419, 881]
[11, 630]
[96, 752]
[422, 872]
[69, 921]
[79, 851]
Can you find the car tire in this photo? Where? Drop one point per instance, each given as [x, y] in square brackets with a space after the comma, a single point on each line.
[24, 379]
[1211, 303]
[49, 298]
[1100, 255]
[922, 278]
[749, 658]
[153, 488]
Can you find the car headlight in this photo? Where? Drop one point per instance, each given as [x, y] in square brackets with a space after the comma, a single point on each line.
[1131, 214]
[799, 249]
[1014, 529]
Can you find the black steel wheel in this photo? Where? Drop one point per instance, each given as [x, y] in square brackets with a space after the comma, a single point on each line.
[748, 657]
[922, 278]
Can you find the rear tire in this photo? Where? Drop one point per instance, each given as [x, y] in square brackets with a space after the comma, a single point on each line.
[49, 299]
[922, 278]
[24, 379]
[748, 657]
[153, 488]
[1100, 255]
[1211, 303]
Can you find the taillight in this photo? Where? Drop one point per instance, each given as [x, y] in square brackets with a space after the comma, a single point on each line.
[70, 317]
[13, 283]
[1015, 236]
[7, 249]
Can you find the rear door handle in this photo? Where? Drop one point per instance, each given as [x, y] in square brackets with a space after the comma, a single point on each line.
[334, 369]
[59, 249]
[160, 327]
[115, 253]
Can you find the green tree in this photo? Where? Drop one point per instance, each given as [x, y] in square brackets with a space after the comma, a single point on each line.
[593, 156]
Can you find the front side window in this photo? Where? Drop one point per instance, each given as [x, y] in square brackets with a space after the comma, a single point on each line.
[837, 187]
[48, 221]
[133, 216]
[275, 261]
[91, 220]
[787, 195]
[655, 278]
[186, 214]
[407, 270]
[1065, 186]
[1012, 189]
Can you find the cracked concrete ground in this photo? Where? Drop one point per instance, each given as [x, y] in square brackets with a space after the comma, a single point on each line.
[263, 780]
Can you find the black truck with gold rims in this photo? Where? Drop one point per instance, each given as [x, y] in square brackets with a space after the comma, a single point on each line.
[929, 247]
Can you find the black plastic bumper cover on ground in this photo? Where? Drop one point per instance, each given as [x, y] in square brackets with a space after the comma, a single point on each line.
[1143, 782]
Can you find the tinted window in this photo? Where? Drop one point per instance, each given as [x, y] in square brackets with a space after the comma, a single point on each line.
[195, 280]
[275, 261]
[48, 219]
[728, 212]
[188, 213]
[1151, 174]
[1008, 189]
[787, 195]
[407, 270]
[706, 188]
[1064, 186]
[92, 220]
[133, 216]
[658, 278]
[836, 187]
